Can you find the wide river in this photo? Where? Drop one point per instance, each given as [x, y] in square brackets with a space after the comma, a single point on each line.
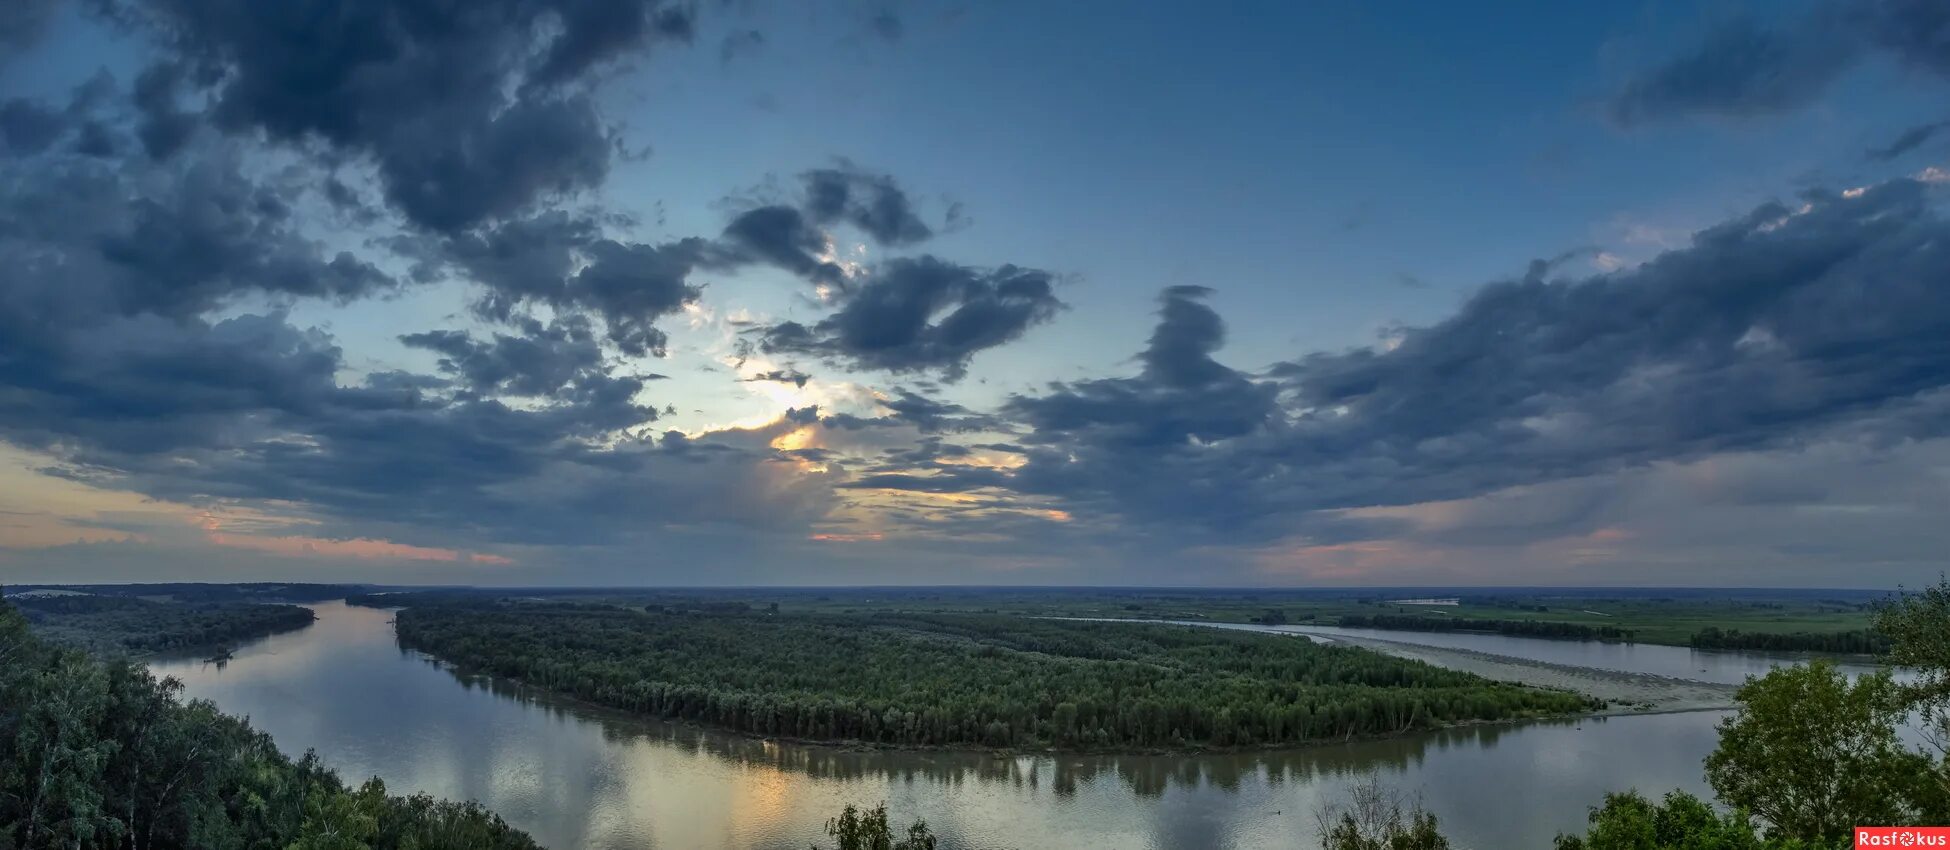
[581, 777]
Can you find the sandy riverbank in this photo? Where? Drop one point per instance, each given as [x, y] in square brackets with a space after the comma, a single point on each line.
[1623, 692]
[1628, 693]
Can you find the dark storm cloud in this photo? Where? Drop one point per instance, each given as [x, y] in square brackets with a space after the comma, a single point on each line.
[792, 236]
[29, 126]
[82, 236]
[538, 362]
[631, 286]
[249, 408]
[782, 376]
[1746, 67]
[933, 417]
[782, 236]
[164, 127]
[874, 203]
[922, 314]
[1182, 394]
[628, 285]
[928, 416]
[1772, 329]
[114, 363]
[21, 25]
[469, 112]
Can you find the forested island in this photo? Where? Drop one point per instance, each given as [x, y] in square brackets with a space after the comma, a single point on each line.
[133, 626]
[963, 680]
[99, 754]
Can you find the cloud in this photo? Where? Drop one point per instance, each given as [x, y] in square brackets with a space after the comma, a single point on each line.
[782, 236]
[740, 43]
[143, 347]
[922, 314]
[791, 235]
[564, 261]
[887, 25]
[872, 202]
[468, 113]
[1741, 69]
[538, 362]
[29, 127]
[1747, 68]
[1181, 396]
[82, 236]
[1781, 326]
[1909, 140]
[21, 25]
[782, 376]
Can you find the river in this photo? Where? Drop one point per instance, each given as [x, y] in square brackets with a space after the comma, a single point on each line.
[581, 777]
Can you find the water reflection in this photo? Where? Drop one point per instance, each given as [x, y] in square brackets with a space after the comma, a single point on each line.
[584, 777]
[1144, 775]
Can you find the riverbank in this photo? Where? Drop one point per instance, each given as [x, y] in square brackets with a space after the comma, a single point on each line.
[1622, 692]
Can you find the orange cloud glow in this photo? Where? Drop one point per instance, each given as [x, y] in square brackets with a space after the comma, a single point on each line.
[361, 548]
[834, 537]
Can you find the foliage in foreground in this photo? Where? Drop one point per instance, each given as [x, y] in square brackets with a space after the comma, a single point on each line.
[1811, 754]
[1681, 821]
[868, 830]
[102, 755]
[1375, 818]
[1814, 754]
[966, 679]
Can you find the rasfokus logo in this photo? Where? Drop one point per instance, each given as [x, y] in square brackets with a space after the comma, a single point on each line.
[1902, 836]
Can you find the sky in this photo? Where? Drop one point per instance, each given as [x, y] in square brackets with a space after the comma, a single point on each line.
[621, 292]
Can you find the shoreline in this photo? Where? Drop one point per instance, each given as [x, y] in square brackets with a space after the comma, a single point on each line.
[1623, 692]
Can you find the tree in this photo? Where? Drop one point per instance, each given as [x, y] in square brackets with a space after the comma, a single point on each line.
[1680, 822]
[1918, 628]
[1814, 754]
[868, 830]
[1374, 818]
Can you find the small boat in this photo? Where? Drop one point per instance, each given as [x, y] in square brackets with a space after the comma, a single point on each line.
[219, 658]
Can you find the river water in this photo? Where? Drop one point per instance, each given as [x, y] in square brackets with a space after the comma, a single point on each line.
[582, 777]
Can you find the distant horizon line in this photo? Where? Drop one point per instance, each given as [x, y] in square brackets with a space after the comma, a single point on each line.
[981, 587]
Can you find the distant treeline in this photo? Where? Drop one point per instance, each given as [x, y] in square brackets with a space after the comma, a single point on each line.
[946, 680]
[127, 625]
[1860, 641]
[1521, 628]
[198, 592]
